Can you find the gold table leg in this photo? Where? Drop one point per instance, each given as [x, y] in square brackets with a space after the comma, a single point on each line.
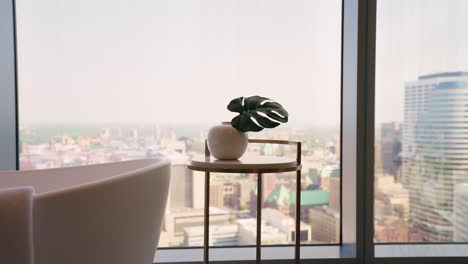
[297, 247]
[206, 245]
[259, 219]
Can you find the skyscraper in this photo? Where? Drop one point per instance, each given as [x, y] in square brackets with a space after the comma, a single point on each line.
[461, 213]
[434, 145]
[390, 147]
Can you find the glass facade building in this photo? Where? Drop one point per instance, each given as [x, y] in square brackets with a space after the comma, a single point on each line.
[435, 151]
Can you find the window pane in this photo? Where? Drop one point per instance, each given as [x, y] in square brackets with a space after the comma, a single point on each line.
[421, 143]
[116, 80]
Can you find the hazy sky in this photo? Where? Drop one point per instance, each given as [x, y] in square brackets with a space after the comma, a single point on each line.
[176, 61]
[416, 37]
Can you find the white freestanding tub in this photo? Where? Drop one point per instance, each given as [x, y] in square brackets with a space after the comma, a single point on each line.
[99, 214]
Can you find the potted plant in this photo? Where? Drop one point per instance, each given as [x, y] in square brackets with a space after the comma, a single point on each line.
[229, 140]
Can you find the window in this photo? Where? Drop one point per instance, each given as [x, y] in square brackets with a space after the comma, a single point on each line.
[80, 65]
[112, 81]
[420, 128]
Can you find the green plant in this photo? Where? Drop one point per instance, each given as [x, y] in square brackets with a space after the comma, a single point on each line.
[256, 113]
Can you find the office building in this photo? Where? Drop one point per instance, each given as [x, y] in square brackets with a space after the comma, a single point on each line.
[433, 134]
[325, 224]
[461, 213]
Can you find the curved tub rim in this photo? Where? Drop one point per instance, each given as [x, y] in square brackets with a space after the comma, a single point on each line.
[154, 163]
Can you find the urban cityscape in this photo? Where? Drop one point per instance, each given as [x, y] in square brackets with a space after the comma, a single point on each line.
[421, 190]
[232, 197]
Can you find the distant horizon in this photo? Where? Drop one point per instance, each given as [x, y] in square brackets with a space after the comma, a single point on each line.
[164, 123]
[207, 124]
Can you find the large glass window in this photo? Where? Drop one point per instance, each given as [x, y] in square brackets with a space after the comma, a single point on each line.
[421, 123]
[103, 81]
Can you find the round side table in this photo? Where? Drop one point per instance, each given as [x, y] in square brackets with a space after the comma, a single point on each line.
[251, 164]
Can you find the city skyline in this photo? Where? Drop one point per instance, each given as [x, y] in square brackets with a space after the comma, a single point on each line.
[395, 224]
[232, 197]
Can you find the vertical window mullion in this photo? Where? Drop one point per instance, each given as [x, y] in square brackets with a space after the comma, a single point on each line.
[366, 94]
[8, 110]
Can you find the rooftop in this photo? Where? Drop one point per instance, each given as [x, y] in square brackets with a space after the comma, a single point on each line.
[311, 197]
[214, 229]
[281, 195]
[443, 74]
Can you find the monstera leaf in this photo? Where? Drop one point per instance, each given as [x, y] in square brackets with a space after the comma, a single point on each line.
[256, 113]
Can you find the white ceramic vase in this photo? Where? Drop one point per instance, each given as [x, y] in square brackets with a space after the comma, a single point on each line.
[226, 142]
